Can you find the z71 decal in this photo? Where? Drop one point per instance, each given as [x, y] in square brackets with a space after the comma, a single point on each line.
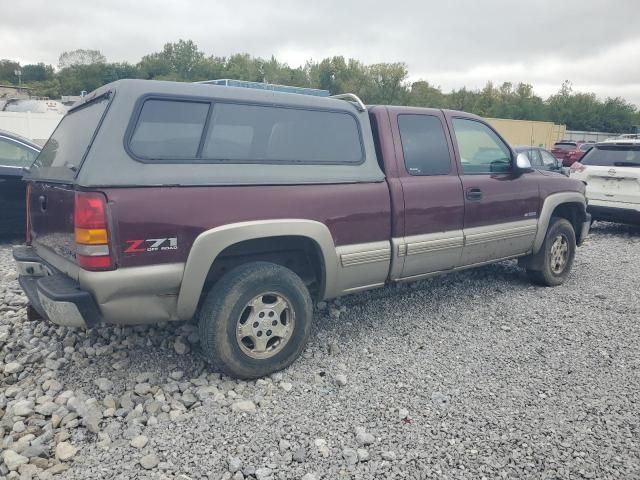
[151, 245]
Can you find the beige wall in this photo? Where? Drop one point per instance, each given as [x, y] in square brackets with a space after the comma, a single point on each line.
[525, 132]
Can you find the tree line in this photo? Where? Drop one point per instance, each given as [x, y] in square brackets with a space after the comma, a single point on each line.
[381, 83]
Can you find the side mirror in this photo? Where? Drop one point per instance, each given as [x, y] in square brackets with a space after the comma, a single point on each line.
[523, 164]
[559, 164]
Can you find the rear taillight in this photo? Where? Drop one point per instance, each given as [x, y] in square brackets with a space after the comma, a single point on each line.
[92, 231]
[27, 233]
[577, 167]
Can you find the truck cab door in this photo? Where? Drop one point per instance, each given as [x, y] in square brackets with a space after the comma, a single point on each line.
[432, 191]
[501, 204]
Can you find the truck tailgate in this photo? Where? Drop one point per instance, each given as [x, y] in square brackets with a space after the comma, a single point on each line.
[51, 218]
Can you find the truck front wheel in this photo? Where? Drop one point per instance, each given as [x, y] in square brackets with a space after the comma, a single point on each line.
[556, 255]
[255, 320]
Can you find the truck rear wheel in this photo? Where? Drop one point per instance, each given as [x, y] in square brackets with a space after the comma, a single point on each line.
[255, 320]
[558, 252]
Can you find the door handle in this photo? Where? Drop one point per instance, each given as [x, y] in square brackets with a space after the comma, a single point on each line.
[43, 202]
[473, 194]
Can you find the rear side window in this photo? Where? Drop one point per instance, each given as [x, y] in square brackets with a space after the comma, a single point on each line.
[424, 145]
[265, 134]
[168, 129]
[66, 148]
[613, 156]
[236, 133]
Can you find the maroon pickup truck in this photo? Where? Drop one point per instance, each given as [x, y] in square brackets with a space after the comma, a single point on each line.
[157, 201]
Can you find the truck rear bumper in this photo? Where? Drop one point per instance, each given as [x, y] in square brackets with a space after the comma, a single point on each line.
[53, 295]
[127, 296]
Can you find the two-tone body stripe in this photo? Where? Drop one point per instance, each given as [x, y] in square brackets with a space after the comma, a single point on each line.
[499, 234]
[364, 257]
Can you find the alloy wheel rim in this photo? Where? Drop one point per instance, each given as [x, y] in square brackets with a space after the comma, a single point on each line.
[265, 325]
[559, 254]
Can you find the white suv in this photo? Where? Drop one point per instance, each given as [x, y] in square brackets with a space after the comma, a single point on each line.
[611, 171]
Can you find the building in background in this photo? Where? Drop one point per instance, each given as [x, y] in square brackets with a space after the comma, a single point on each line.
[32, 117]
[579, 136]
[528, 132]
[11, 91]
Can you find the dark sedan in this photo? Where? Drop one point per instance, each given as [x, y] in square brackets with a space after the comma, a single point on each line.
[16, 153]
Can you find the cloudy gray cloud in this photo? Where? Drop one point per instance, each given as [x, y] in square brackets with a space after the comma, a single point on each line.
[594, 44]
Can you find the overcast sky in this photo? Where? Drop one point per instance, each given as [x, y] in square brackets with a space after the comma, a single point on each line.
[595, 44]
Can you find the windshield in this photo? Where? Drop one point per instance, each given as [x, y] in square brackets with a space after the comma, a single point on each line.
[565, 146]
[65, 150]
[613, 156]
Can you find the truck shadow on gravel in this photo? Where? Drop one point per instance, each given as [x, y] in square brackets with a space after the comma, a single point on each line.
[620, 229]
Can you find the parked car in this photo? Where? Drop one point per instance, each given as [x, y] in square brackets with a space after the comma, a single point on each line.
[570, 152]
[16, 153]
[626, 136]
[611, 171]
[158, 201]
[542, 159]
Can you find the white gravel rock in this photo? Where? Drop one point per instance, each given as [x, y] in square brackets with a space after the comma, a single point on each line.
[341, 380]
[13, 460]
[149, 461]
[244, 406]
[13, 367]
[23, 408]
[284, 445]
[286, 386]
[65, 451]
[388, 455]
[264, 473]
[234, 464]
[363, 455]
[364, 438]
[350, 456]
[104, 384]
[139, 441]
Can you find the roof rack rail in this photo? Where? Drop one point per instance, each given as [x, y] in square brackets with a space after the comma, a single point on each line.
[229, 82]
[351, 97]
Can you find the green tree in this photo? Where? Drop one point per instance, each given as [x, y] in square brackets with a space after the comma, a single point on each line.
[423, 94]
[7, 71]
[38, 72]
[80, 57]
[387, 83]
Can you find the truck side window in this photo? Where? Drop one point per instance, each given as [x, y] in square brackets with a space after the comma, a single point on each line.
[481, 150]
[271, 134]
[169, 129]
[424, 145]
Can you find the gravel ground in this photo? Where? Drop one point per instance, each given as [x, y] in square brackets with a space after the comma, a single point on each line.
[472, 375]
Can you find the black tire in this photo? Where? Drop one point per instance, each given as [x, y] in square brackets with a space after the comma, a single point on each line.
[552, 275]
[228, 300]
